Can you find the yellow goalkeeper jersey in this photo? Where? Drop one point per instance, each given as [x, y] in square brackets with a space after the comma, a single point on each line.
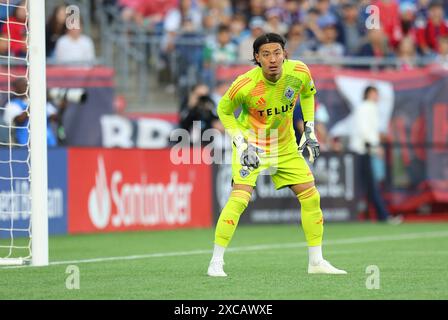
[266, 117]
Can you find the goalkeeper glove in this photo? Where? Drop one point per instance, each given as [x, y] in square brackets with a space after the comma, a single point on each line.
[247, 153]
[309, 141]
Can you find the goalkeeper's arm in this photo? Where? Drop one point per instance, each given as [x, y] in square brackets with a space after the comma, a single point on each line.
[308, 138]
[247, 153]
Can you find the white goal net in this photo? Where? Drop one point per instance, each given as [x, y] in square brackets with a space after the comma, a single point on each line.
[19, 174]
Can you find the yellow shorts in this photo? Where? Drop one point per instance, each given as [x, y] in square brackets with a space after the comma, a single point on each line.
[285, 170]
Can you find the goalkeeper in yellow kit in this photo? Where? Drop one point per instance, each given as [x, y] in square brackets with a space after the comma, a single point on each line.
[263, 138]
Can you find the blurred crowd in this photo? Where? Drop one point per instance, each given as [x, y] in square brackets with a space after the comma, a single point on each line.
[201, 33]
[405, 30]
[314, 28]
[68, 45]
[63, 45]
[409, 29]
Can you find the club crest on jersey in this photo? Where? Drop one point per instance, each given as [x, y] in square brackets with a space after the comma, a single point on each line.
[289, 93]
[244, 173]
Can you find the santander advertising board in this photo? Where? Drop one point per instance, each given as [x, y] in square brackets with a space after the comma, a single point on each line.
[119, 190]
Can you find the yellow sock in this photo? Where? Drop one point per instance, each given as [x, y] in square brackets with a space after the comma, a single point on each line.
[312, 218]
[230, 215]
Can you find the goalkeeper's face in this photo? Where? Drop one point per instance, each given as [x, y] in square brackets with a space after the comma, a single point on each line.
[271, 57]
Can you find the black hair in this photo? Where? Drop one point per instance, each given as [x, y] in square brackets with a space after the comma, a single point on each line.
[20, 87]
[223, 28]
[313, 10]
[367, 91]
[267, 38]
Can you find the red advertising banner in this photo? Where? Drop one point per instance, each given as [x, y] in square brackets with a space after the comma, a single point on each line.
[122, 190]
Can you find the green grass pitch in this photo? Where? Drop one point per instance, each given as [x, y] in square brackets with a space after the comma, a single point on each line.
[265, 262]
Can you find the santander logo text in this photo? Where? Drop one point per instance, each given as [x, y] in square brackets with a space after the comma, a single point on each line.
[139, 203]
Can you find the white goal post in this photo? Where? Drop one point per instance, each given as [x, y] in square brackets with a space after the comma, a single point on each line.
[38, 121]
[37, 247]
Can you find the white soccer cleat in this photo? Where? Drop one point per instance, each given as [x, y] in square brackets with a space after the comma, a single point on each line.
[215, 269]
[324, 267]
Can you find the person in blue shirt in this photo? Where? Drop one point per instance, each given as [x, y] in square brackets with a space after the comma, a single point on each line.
[17, 111]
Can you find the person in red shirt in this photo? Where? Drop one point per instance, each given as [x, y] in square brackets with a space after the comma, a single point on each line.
[152, 12]
[390, 20]
[428, 33]
[14, 32]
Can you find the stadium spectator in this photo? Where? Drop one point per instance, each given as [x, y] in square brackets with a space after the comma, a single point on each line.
[441, 57]
[74, 47]
[239, 29]
[256, 8]
[408, 16]
[182, 18]
[256, 26]
[365, 141]
[297, 44]
[428, 32]
[222, 50]
[312, 29]
[350, 30]
[291, 13]
[329, 47]
[151, 14]
[17, 111]
[220, 10]
[209, 27]
[129, 9]
[376, 45]
[274, 23]
[422, 8]
[17, 114]
[5, 10]
[56, 28]
[390, 20]
[325, 10]
[15, 31]
[407, 54]
[182, 45]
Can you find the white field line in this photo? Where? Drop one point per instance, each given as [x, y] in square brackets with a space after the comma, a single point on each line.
[406, 236]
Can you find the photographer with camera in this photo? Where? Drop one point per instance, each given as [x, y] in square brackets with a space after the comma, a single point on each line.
[58, 99]
[199, 107]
